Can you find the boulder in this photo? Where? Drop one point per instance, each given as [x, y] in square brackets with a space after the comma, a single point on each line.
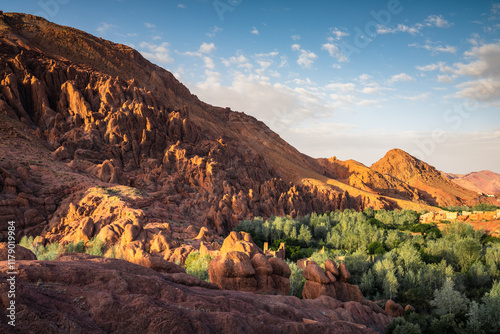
[394, 309]
[236, 270]
[344, 274]
[20, 253]
[314, 273]
[331, 266]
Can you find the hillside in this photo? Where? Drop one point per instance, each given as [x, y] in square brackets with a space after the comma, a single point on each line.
[435, 189]
[485, 181]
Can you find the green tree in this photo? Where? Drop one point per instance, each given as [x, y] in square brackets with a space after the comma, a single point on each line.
[305, 234]
[390, 284]
[467, 252]
[447, 300]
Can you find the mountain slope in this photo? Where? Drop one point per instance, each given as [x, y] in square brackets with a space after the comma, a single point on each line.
[485, 181]
[358, 175]
[435, 189]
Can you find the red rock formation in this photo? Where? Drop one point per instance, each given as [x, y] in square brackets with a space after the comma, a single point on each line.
[436, 189]
[132, 299]
[334, 283]
[394, 309]
[243, 266]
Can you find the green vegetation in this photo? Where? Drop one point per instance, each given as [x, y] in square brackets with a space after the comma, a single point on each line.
[451, 276]
[197, 265]
[95, 246]
[297, 280]
[477, 207]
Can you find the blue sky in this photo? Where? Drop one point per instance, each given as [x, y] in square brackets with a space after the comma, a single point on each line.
[333, 78]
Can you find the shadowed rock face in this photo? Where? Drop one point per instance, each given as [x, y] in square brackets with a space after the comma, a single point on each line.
[79, 293]
[79, 112]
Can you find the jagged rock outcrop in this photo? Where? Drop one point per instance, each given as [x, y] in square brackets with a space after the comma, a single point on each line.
[132, 299]
[243, 266]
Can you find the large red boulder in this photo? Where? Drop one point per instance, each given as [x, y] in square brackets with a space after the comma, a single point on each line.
[241, 265]
[394, 309]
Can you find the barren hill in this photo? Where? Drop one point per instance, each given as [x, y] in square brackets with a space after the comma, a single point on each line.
[435, 189]
[485, 181]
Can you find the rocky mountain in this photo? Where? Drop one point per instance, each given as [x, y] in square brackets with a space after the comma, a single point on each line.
[433, 187]
[485, 181]
[92, 131]
[80, 112]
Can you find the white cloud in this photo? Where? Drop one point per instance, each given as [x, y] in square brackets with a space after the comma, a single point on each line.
[484, 66]
[149, 25]
[435, 48]
[336, 34]
[295, 37]
[438, 21]
[401, 77]
[342, 87]
[278, 105]
[214, 31]
[420, 97]
[445, 78]
[209, 63]
[367, 103]
[430, 67]
[306, 58]
[254, 31]
[430, 21]
[364, 77]
[206, 47]
[157, 53]
[267, 54]
[485, 90]
[399, 28]
[334, 51]
[240, 61]
[181, 6]
[105, 27]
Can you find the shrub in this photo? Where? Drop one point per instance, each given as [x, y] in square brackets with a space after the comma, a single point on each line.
[197, 265]
[79, 247]
[96, 247]
[49, 252]
[297, 280]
